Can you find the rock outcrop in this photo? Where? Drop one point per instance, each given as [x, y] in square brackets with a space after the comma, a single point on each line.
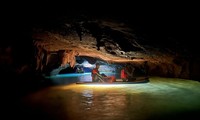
[107, 40]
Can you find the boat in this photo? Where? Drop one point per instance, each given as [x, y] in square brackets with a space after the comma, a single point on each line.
[119, 81]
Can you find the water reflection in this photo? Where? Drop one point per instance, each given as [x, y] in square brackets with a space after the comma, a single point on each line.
[161, 98]
[87, 99]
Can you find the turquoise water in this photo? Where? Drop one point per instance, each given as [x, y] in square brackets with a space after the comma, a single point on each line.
[77, 74]
[161, 98]
[75, 77]
[68, 75]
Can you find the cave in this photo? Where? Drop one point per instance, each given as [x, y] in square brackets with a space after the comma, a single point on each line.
[44, 50]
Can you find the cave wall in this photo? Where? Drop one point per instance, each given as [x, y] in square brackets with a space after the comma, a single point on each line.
[46, 61]
[58, 45]
[177, 68]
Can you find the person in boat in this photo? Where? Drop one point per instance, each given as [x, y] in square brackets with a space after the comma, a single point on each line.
[127, 73]
[97, 77]
[79, 70]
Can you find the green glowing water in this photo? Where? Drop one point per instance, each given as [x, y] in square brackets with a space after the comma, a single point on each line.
[161, 98]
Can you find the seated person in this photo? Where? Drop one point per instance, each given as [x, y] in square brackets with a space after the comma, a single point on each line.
[127, 73]
[97, 77]
[79, 70]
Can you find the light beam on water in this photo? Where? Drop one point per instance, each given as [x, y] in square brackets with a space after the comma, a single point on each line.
[161, 98]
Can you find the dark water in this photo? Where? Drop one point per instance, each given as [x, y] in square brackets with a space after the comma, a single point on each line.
[161, 98]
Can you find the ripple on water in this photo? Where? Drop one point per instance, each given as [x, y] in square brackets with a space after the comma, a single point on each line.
[160, 98]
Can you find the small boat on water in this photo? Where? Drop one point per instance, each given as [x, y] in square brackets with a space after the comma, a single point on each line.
[120, 81]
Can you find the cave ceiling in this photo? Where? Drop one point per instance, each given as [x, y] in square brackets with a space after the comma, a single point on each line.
[106, 38]
[120, 33]
[48, 34]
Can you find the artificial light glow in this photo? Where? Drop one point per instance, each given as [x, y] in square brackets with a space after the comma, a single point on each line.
[102, 85]
[68, 75]
[87, 64]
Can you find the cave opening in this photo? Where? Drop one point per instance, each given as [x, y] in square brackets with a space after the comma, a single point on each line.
[81, 71]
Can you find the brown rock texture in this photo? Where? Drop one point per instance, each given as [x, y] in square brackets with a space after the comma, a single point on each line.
[107, 40]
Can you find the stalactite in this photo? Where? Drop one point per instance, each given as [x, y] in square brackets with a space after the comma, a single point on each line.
[39, 58]
[69, 58]
[48, 57]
